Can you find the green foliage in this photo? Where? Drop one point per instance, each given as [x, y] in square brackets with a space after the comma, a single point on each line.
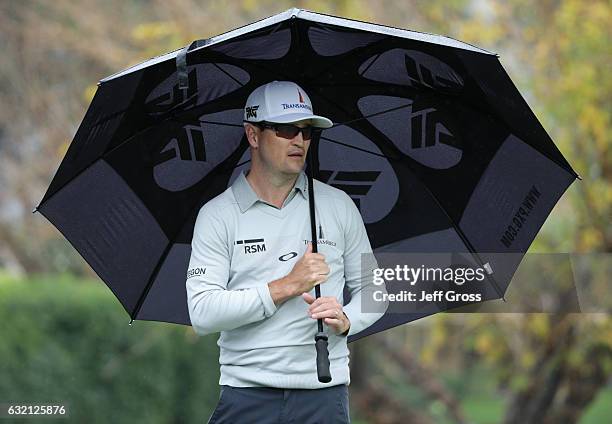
[67, 341]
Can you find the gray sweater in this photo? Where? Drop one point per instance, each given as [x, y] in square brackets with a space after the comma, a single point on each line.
[240, 244]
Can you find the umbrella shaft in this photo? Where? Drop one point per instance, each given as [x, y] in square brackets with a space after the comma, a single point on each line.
[311, 203]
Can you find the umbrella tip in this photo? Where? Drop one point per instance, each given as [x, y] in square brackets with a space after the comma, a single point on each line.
[579, 177]
[131, 321]
[35, 209]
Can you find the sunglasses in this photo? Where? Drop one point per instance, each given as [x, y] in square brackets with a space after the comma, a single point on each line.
[287, 130]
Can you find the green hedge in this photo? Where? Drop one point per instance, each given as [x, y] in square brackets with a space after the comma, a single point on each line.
[68, 341]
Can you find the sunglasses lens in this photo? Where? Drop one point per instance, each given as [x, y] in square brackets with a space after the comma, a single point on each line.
[287, 131]
[307, 133]
[291, 131]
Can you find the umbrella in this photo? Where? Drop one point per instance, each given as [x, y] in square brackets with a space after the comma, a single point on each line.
[432, 141]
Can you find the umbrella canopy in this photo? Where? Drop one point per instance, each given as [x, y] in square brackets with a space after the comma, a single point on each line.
[432, 141]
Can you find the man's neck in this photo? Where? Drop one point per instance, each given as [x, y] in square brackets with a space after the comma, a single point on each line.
[272, 188]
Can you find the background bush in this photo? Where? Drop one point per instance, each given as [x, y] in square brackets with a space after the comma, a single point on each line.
[68, 341]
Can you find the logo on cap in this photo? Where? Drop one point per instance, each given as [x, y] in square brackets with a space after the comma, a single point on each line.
[251, 111]
[296, 106]
[301, 98]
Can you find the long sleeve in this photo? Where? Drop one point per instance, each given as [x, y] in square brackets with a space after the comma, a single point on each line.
[212, 307]
[359, 282]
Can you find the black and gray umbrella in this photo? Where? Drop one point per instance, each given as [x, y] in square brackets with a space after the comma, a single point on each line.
[432, 141]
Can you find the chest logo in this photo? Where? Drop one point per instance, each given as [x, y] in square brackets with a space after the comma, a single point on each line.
[287, 256]
[252, 245]
[322, 241]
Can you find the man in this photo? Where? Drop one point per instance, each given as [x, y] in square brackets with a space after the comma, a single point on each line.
[258, 272]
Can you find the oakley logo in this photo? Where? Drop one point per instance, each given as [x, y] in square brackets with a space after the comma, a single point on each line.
[251, 111]
[357, 184]
[287, 256]
[252, 245]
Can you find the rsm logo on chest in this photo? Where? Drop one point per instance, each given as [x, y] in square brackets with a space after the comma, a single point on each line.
[252, 245]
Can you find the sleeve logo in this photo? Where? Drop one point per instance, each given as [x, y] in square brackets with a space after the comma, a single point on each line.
[194, 272]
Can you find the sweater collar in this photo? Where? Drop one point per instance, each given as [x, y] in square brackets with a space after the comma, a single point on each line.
[246, 196]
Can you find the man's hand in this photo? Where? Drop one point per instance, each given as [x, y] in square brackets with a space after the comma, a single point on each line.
[309, 271]
[328, 308]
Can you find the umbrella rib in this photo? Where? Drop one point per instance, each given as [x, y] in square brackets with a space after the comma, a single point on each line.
[354, 147]
[369, 65]
[155, 271]
[222, 124]
[355, 52]
[463, 237]
[228, 74]
[393, 109]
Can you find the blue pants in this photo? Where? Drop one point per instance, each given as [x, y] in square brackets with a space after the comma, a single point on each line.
[263, 405]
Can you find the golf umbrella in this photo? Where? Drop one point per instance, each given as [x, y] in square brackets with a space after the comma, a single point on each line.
[432, 141]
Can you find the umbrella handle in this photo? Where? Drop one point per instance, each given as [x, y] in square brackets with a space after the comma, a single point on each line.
[320, 337]
[322, 357]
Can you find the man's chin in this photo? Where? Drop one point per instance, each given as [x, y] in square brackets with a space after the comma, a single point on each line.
[295, 168]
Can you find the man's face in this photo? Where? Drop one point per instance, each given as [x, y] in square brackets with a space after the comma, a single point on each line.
[280, 154]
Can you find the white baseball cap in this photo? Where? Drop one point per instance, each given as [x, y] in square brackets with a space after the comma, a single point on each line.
[282, 102]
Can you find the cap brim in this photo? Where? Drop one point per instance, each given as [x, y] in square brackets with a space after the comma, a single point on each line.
[315, 120]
